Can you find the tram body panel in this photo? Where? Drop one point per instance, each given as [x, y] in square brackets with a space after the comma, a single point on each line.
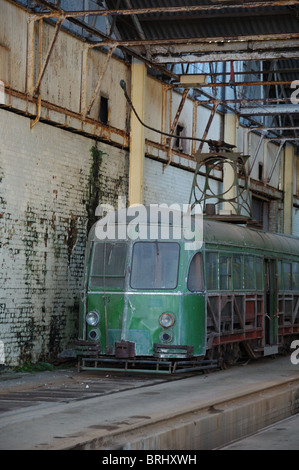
[164, 301]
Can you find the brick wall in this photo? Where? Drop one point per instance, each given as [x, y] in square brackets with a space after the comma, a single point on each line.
[171, 185]
[47, 177]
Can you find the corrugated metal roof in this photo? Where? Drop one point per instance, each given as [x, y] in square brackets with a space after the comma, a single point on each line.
[208, 23]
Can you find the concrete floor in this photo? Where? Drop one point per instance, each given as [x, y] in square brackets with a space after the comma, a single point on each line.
[200, 412]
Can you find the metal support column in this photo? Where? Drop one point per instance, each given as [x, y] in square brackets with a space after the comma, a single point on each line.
[230, 132]
[288, 189]
[138, 76]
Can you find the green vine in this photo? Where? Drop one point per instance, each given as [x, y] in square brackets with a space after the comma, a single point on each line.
[97, 155]
[94, 183]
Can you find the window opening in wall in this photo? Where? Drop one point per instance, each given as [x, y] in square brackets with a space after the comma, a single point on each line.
[260, 173]
[179, 134]
[260, 212]
[103, 113]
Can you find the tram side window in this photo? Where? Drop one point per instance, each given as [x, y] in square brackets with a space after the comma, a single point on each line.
[237, 272]
[295, 277]
[287, 275]
[212, 271]
[249, 274]
[280, 275]
[259, 266]
[225, 272]
[195, 279]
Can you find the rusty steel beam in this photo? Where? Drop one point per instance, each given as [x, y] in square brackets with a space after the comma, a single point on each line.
[222, 57]
[249, 83]
[97, 87]
[94, 128]
[224, 46]
[269, 110]
[174, 124]
[176, 9]
[245, 101]
[252, 72]
[268, 179]
[210, 42]
[106, 41]
[48, 54]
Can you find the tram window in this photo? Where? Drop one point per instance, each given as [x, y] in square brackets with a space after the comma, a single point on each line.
[287, 275]
[249, 275]
[280, 275]
[108, 266]
[195, 279]
[212, 271]
[237, 272]
[295, 276]
[225, 272]
[259, 264]
[155, 265]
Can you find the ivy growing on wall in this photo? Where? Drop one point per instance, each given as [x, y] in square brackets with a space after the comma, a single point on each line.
[94, 183]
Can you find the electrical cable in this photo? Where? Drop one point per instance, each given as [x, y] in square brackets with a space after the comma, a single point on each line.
[212, 143]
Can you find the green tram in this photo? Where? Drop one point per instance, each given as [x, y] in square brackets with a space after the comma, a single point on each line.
[153, 305]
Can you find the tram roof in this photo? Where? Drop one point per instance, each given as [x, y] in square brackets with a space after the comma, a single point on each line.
[222, 233]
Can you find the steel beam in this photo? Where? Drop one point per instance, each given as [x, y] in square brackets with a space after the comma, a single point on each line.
[269, 110]
[245, 83]
[222, 57]
[199, 45]
[288, 189]
[174, 124]
[47, 57]
[275, 162]
[171, 10]
[97, 87]
[212, 43]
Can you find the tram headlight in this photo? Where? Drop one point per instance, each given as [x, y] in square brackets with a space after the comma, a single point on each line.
[166, 320]
[94, 335]
[92, 318]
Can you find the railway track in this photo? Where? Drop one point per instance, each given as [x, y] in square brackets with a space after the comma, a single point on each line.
[19, 391]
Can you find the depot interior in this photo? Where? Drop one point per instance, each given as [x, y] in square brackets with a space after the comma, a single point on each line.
[102, 100]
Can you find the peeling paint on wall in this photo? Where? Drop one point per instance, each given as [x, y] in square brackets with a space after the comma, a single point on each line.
[49, 186]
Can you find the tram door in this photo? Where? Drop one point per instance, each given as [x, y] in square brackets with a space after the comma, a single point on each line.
[271, 298]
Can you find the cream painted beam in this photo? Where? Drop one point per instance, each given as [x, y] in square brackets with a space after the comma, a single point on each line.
[230, 133]
[138, 76]
[288, 189]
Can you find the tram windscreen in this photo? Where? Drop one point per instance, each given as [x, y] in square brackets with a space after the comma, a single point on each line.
[108, 265]
[155, 265]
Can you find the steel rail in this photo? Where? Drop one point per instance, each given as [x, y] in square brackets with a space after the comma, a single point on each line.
[176, 9]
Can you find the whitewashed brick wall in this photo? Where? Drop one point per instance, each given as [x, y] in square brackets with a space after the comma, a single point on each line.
[171, 186]
[45, 176]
